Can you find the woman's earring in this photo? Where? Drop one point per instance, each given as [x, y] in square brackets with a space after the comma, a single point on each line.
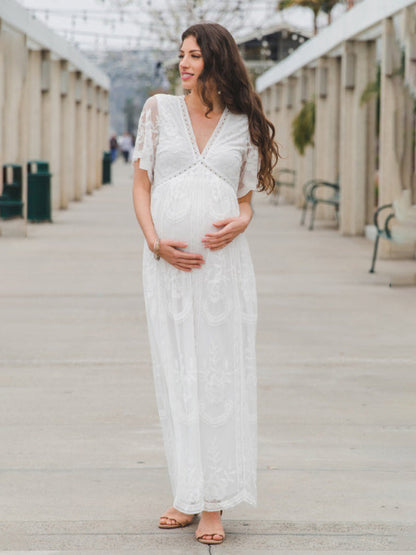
[219, 92]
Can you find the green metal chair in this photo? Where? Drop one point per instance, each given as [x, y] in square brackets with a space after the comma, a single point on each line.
[11, 204]
[383, 232]
[311, 191]
[286, 178]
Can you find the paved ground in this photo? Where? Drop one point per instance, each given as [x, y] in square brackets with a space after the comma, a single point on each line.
[81, 460]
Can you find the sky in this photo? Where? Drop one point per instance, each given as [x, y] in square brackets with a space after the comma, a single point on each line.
[96, 25]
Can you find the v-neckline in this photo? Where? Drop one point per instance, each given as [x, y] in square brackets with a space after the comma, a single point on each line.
[191, 132]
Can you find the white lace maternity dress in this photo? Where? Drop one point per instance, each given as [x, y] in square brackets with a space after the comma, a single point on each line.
[202, 324]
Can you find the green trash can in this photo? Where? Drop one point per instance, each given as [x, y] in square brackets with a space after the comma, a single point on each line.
[11, 198]
[106, 168]
[38, 191]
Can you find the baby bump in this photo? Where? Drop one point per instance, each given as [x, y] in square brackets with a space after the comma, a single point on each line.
[185, 208]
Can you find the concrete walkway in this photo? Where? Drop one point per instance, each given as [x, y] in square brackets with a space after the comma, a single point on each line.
[81, 458]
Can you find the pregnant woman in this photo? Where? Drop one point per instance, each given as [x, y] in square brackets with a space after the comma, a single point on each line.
[197, 160]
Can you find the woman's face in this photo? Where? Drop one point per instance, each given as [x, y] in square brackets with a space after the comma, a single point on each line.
[191, 63]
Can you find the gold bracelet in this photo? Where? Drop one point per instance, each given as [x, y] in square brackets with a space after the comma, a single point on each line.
[156, 248]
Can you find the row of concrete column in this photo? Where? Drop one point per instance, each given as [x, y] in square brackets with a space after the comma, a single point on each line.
[345, 147]
[51, 111]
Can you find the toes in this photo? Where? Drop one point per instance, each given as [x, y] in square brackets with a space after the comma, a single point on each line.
[166, 520]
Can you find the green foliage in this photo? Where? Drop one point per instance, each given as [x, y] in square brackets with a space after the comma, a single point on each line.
[329, 5]
[316, 6]
[303, 127]
[373, 90]
[173, 75]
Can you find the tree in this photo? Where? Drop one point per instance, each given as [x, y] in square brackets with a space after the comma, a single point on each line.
[167, 19]
[315, 5]
[328, 6]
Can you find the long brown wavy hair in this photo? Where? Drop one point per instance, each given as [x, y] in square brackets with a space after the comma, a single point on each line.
[224, 66]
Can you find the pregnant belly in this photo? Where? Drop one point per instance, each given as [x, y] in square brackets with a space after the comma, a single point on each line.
[185, 208]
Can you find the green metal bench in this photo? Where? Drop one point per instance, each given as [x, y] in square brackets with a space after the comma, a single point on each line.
[286, 178]
[311, 191]
[383, 232]
[11, 204]
[13, 208]
[403, 231]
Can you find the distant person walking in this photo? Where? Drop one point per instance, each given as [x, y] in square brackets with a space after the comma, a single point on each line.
[113, 147]
[126, 146]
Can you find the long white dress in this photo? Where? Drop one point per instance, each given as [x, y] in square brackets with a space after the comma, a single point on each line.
[202, 324]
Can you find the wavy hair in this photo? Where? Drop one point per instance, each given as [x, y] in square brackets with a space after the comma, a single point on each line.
[224, 66]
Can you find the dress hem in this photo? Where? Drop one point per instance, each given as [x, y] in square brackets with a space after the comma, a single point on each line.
[239, 498]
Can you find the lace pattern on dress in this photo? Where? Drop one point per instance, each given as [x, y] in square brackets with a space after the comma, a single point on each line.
[191, 134]
[147, 137]
[249, 169]
[202, 324]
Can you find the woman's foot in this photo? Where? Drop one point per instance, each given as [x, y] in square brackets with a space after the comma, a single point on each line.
[210, 529]
[175, 519]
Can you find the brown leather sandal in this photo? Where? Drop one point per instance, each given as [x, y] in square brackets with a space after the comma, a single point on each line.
[211, 541]
[177, 523]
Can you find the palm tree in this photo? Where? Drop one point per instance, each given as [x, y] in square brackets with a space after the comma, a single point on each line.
[328, 6]
[315, 5]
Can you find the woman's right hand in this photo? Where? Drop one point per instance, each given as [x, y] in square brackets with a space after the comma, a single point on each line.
[186, 261]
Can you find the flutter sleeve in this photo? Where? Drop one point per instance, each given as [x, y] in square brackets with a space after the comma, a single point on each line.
[249, 168]
[147, 137]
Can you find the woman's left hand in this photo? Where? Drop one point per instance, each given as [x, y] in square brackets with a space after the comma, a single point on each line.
[231, 227]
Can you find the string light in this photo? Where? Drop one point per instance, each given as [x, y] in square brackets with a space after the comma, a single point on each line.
[148, 20]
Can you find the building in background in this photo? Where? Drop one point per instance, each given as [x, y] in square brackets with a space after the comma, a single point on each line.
[53, 105]
[263, 48]
[134, 74]
[259, 49]
[360, 76]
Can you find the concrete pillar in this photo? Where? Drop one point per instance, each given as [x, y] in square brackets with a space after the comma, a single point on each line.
[327, 119]
[274, 117]
[284, 132]
[2, 87]
[91, 138]
[33, 129]
[274, 105]
[106, 119]
[266, 101]
[67, 176]
[80, 136]
[51, 122]
[327, 127]
[98, 141]
[357, 148]
[396, 131]
[15, 63]
[13, 67]
[27, 109]
[305, 164]
[409, 33]
[275, 99]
